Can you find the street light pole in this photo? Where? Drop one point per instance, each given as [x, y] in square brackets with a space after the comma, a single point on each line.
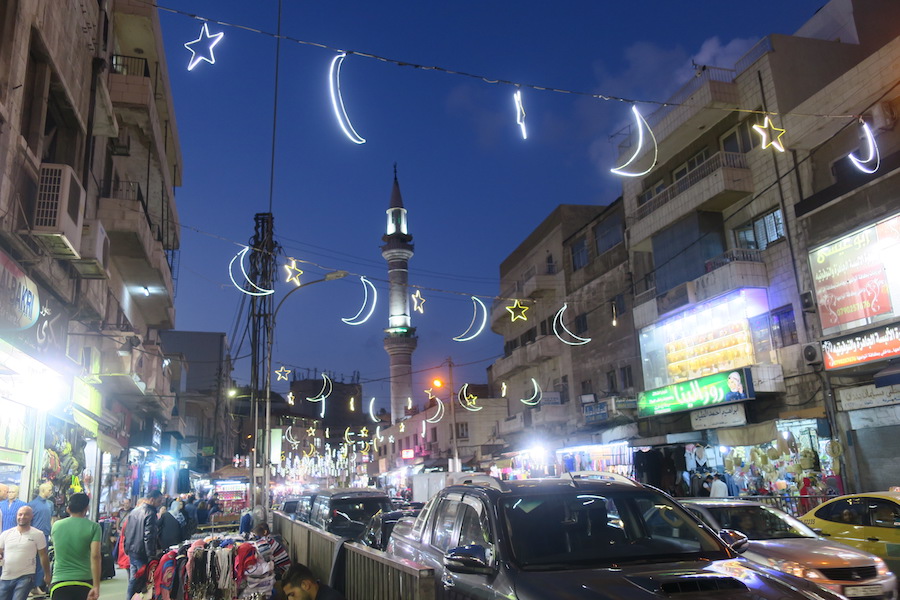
[453, 434]
[269, 343]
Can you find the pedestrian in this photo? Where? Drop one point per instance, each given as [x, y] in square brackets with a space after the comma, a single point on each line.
[707, 486]
[190, 507]
[141, 537]
[18, 548]
[718, 488]
[300, 584]
[10, 507]
[170, 530]
[42, 507]
[176, 510]
[76, 548]
[202, 513]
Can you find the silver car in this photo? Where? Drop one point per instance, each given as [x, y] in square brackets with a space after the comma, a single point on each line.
[781, 541]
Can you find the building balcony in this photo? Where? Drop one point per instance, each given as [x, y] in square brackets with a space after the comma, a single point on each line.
[136, 249]
[499, 314]
[177, 427]
[547, 281]
[542, 349]
[720, 181]
[549, 414]
[513, 424]
[737, 268]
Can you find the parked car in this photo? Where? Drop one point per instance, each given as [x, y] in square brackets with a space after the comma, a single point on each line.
[581, 538]
[869, 522]
[346, 511]
[781, 541]
[378, 530]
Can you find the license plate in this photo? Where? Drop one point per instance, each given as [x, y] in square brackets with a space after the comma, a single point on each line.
[860, 591]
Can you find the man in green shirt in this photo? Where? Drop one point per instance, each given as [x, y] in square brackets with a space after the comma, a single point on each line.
[76, 542]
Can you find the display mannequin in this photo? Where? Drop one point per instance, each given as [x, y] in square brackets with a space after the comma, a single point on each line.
[10, 507]
[42, 506]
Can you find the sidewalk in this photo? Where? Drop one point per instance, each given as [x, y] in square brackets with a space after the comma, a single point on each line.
[115, 588]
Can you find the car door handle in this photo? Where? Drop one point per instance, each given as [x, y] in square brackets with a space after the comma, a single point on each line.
[447, 581]
[873, 539]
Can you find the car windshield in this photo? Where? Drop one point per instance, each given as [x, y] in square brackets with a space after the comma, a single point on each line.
[584, 529]
[350, 515]
[760, 522]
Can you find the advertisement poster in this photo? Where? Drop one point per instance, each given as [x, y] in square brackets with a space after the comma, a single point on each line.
[853, 350]
[727, 386]
[854, 278]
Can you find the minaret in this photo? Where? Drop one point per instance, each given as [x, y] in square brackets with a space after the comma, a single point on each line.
[400, 340]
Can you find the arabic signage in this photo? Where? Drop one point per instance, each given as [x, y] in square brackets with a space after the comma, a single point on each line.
[854, 350]
[725, 415]
[20, 304]
[727, 386]
[854, 276]
[868, 396]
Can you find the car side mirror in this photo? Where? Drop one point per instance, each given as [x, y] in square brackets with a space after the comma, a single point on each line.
[734, 538]
[471, 560]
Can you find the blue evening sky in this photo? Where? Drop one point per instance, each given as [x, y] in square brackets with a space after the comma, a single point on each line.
[473, 188]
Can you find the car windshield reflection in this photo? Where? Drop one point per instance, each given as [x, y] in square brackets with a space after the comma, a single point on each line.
[586, 529]
[760, 522]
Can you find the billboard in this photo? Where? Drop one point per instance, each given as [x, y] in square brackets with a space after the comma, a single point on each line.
[862, 348]
[727, 386]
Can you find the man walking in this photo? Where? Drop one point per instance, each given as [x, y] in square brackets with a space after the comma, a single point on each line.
[42, 506]
[18, 548]
[141, 531]
[76, 545]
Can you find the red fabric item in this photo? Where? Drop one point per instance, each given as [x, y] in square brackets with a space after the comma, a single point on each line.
[162, 578]
[122, 561]
[244, 558]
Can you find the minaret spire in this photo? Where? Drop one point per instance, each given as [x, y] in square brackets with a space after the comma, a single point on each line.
[400, 340]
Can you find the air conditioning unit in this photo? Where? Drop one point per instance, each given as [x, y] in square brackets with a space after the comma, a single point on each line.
[94, 261]
[588, 398]
[883, 117]
[812, 354]
[808, 302]
[59, 211]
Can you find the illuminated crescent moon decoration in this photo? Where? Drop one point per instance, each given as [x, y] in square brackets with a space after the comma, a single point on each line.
[365, 449]
[467, 401]
[378, 435]
[520, 113]
[558, 323]
[642, 124]
[327, 387]
[424, 430]
[250, 292]
[535, 397]
[337, 101]
[347, 435]
[372, 410]
[865, 164]
[440, 412]
[358, 319]
[466, 336]
[322, 413]
[503, 390]
[312, 451]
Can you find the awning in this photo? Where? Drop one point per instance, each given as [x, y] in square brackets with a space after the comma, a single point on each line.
[890, 375]
[748, 435]
[109, 444]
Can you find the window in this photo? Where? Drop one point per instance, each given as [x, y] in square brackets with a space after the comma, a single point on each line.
[625, 377]
[462, 430]
[742, 138]
[761, 232]
[561, 385]
[619, 302]
[852, 511]
[581, 323]
[419, 525]
[474, 528]
[587, 387]
[784, 328]
[545, 327]
[608, 234]
[691, 164]
[528, 337]
[579, 253]
[884, 513]
[611, 382]
[445, 524]
[509, 346]
[434, 434]
[551, 265]
[651, 191]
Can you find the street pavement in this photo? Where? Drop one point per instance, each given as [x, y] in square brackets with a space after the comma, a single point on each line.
[115, 588]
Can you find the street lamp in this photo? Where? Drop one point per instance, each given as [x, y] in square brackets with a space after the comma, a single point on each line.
[269, 343]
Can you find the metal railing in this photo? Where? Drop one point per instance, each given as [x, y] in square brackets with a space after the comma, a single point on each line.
[734, 255]
[129, 65]
[712, 164]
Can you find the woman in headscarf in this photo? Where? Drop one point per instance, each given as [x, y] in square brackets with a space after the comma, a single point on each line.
[175, 511]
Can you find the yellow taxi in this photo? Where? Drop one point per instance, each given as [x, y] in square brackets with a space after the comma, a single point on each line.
[870, 522]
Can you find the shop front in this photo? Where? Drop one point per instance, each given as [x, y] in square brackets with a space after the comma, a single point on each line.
[611, 458]
[874, 424]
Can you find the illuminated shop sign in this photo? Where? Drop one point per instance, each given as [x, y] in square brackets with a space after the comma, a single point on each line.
[723, 334]
[20, 305]
[862, 348]
[407, 453]
[857, 277]
[728, 386]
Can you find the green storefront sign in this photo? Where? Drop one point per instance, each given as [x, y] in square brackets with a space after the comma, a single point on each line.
[727, 386]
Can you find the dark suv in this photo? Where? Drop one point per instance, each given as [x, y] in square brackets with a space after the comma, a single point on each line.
[577, 538]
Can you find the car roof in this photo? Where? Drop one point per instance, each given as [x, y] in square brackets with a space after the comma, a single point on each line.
[550, 485]
[895, 496]
[721, 502]
[353, 493]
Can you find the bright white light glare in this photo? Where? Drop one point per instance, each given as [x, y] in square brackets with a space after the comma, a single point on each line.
[476, 305]
[642, 124]
[520, 113]
[864, 164]
[355, 319]
[211, 42]
[337, 101]
[146, 291]
[240, 257]
[558, 323]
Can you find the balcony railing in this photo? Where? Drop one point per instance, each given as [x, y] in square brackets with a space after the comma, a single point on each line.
[129, 65]
[712, 164]
[733, 255]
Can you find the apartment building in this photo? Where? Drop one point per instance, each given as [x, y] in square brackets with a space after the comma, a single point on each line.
[89, 235]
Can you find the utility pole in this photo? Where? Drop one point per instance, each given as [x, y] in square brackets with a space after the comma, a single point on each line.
[456, 466]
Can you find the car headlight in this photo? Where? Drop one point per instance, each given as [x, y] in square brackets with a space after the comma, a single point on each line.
[794, 568]
[882, 567]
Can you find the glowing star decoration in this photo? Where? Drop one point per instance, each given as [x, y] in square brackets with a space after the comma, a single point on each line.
[873, 161]
[642, 125]
[311, 432]
[520, 113]
[375, 419]
[418, 302]
[364, 432]
[503, 390]
[402, 427]
[337, 101]
[391, 439]
[771, 135]
[465, 336]
[517, 311]
[210, 42]
[290, 398]
[558, 324]
[535, 397]
[282, 373]
[358, 319]
[327, 387]
[255, 289]
[440, 412]
[466, 400]
[293, 273]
